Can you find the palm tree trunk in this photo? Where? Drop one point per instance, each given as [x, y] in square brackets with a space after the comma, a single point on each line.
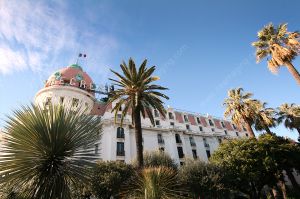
[283, 188]
[138, 136]
[249, 129]
[293, 71]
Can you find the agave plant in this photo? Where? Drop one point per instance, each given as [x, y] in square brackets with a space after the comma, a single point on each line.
[45, 151]
[154, 183]
[136, 92]
[280, 46]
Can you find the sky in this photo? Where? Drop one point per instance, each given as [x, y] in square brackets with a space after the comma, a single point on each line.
[201, 48]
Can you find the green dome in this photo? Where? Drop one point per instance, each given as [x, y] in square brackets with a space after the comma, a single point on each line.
[75, 66]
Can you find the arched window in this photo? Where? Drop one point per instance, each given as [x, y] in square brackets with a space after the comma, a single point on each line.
[120, 132]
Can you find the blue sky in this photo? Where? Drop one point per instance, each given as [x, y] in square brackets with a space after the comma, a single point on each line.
[201, 48]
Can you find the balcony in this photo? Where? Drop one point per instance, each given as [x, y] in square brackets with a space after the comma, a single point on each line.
[120, 153]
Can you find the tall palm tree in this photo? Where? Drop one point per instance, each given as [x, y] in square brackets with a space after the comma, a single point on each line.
[280, 46]
[137, 93]
[46, 150]
[289, 114]
[241, 108]
[265, 119]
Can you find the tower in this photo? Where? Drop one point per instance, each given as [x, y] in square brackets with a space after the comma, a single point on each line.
[69, 86]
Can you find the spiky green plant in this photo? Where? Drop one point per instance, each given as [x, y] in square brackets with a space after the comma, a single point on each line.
[46, 150]
[154, 183]
[280, 46]
[241, 108]
[136, 92]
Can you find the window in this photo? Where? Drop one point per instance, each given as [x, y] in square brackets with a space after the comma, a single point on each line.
[237, 133]
[172, 123]
[120, 108]
[178, 139]
[188, 127]
[247, 135]
[210, 122]
[181, 163]
[234, 127]
[244, 128]
[120, 149]
[208, 153]
[186, 118]
[192, 141]
[120, 132]
[225, 132]
[160, 139]
[205, 142]
[86, 105]
[194, 154]
[171, 117]
[61, 100]
[161, 149]
[157, 123]
[180, 152]
[119, 116]
[212, 129]
[200, 128]
[96, 148]
[75, 102]
[198, 120]
[223, 125]
[156, 114]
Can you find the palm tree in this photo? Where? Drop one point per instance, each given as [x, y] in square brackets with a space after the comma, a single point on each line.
[241, 108]
[280, 46]
[289, 114]
[154, 183]
[265, 119]
[46, 150]
[137, 93]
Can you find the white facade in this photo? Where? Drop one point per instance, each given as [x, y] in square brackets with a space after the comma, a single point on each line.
[194, 142]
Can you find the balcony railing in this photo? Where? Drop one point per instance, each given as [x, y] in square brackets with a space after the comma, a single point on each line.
[120, 153]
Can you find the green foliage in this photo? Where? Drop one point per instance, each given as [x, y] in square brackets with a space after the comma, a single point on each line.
[108, 177]
[135, 88]
[204, 180]
[257, 162]
[154, 183]
[46, 150]
[158, 158]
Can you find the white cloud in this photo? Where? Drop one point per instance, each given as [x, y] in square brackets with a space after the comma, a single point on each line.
[38, 35]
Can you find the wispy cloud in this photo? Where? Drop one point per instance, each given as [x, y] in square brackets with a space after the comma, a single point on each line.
[38, 35]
